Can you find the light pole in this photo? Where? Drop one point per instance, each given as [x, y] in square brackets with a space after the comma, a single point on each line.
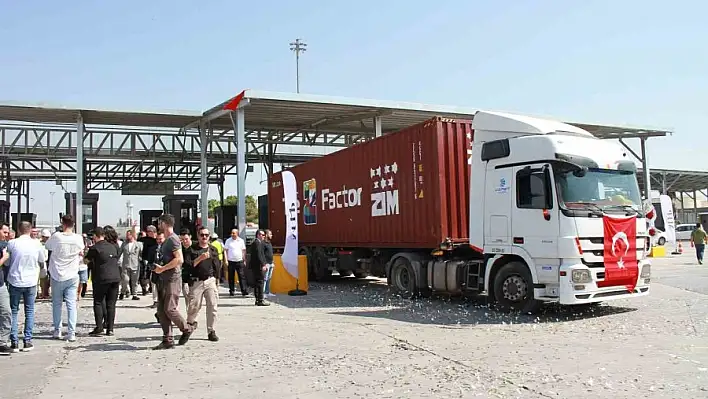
[298, 46]
[51, 219]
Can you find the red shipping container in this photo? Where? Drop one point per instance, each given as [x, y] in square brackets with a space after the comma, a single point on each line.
[408, 189]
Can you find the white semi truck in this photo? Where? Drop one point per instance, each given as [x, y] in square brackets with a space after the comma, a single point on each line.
[512, 207]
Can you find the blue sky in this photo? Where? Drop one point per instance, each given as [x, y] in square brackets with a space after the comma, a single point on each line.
[615, 62]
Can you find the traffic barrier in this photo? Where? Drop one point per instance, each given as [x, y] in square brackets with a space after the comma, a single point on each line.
[658, 252]
[282, 282]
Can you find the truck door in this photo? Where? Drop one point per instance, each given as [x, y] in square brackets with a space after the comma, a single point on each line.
[497, 210]
[535, 215]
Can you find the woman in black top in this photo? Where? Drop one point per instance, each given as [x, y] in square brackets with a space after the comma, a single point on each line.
[103, 256]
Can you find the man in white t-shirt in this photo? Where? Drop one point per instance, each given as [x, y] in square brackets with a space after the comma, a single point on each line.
[65, 254]
[26, 257]
[235, 249]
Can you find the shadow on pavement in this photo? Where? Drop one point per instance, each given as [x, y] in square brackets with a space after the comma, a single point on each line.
[105, 347]
[475, 314]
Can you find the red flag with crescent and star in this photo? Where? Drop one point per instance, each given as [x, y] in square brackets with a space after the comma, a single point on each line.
[620, 252]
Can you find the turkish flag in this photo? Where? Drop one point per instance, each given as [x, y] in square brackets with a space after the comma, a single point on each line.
[620, 252]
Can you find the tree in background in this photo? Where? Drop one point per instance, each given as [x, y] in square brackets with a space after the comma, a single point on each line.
[251, 206]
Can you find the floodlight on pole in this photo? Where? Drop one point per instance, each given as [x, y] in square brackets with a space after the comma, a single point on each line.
[298, 46]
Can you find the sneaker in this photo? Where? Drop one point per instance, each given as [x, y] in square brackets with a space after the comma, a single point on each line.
[164, 345]
[57, 334]
[5, 350]
[269, 295]
[212, 336]
[71, 338]
[231, 293]
[262, 304]
[185, 337]
[109, 333]
[14, 347]
[120, 297]
[136, 298]
[27, 346]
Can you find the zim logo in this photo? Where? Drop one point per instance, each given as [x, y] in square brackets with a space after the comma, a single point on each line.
[503, 188]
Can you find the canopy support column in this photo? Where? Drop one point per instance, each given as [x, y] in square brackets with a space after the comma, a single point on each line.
[238, 119]
[645, 169]
[204, 197]
[79, 210]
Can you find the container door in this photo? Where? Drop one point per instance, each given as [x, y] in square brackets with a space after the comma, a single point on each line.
[535, 216]
[497, 211]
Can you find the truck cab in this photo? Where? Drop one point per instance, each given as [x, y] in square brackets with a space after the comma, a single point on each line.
[538, 221]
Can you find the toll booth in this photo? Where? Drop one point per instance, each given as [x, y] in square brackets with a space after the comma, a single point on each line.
[89, 217]
[184, 209]
[4, 211]
[148, 217]
[23, 217]
[225, 220]
[263, 212]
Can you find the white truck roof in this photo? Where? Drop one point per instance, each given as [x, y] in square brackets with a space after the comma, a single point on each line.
[518, 125]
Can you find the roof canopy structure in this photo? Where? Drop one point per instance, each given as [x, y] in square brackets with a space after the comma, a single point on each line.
[677, 181]
[39, 142]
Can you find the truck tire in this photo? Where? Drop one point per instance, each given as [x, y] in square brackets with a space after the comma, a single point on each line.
[513, 289]
[403, 278]
[321, 266]
[662, 241]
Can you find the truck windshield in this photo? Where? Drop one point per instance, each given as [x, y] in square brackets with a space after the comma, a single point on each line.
[606, 190]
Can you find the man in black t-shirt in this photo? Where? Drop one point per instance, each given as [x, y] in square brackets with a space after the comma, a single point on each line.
[205, 266]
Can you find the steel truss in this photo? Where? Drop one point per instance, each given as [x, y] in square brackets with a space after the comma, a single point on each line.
[116, 155]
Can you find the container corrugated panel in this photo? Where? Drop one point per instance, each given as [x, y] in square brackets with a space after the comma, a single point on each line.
[408, 189]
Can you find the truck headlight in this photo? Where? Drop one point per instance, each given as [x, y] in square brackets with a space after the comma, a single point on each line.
[581, 276]
[646, 271]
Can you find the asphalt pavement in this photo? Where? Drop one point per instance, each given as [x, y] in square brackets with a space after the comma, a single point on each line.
[354, 338]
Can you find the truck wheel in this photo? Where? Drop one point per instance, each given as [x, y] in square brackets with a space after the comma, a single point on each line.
[321, 266]
[662, 241]
[513, 289]
[403, 280]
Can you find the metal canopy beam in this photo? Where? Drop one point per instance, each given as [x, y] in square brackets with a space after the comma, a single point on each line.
[40, 142]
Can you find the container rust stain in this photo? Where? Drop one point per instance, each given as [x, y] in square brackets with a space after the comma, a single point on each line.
[408, 189]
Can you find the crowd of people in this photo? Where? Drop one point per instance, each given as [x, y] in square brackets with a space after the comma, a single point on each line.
[159, 261]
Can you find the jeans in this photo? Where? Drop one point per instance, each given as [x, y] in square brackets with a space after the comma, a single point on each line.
[700, 249]
[27, 295]
[268, 275]
[105, 296]
[83, 276]
[64, 291]
[5, 315]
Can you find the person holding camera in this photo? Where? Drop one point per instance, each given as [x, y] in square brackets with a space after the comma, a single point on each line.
[204, 274]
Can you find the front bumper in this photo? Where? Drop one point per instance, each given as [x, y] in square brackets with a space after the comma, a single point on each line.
[571, 293]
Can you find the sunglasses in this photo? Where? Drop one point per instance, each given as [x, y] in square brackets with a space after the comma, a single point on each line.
[204, 235]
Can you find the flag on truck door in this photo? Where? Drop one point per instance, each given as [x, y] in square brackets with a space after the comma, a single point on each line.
[290, 252]
[620, 252]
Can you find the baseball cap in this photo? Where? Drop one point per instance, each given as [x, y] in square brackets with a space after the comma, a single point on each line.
[46, 233]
